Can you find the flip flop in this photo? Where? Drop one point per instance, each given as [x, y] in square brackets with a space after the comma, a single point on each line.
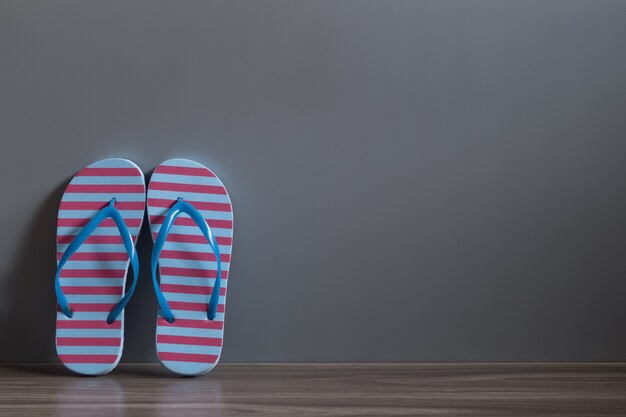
[99, 219]
[191, 221]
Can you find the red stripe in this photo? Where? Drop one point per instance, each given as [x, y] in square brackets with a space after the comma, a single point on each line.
[185, 306]
[200, 205]
[187, 289]
[93, 273]
[189, 340]
[109, 172]
[183, 238]
[88, 358]
[89, 341]
[97, 256]
[190, 188]
[95, 239]
[105, 188]
[105, 223]
[97, 205]
[191, 272]
[187, 357]
[225, 241]
[181, 221]
[92, 290]
[88, 324]
[171, 169]
[92, 307]
[193, 324]
[193, 256]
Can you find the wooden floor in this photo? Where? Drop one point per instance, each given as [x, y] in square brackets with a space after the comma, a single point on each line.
[320, 390]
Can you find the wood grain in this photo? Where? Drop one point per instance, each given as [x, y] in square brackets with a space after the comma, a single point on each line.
[441, 389]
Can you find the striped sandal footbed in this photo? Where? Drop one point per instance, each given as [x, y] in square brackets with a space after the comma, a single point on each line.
[192, 344]
[94, 278]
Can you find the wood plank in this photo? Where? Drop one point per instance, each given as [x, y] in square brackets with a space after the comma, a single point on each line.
[442, 389]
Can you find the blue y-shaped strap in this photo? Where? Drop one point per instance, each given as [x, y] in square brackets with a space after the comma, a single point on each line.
[177, 209]
[112, 212]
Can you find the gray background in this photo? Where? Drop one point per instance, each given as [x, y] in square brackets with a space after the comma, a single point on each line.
[412, 180]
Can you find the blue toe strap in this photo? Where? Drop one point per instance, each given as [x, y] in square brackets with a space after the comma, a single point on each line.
[106, 212]
[177, 209]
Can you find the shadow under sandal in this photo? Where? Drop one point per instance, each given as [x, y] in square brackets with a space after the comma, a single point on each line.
[98, 222]
[191, 222]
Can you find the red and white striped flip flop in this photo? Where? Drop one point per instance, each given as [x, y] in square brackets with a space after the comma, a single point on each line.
[191, 221]
[98, 222]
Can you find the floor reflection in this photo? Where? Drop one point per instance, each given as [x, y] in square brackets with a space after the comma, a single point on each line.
[187, 396]
[140, 390]
[89, 396]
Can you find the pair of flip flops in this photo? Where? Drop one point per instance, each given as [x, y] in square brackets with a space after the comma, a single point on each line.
[191, 223]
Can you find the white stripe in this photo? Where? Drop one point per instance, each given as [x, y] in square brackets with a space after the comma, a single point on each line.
[99, 231]
[176, 348]
[189, 298]
[89, 298]
[89, 350]
[193, 230]
[165, 278]
[187, 179]
[78, 277]
[201, 282]
[95, 247]
[184, 263]
[189, 247]
[202, 197]
[107, 180]
[101, 264]
[89, 333]
[115, 163]
[207, 214]
[104, 197]
[88, 315]
[92, 282]
[194, 315]
[188, 331]
[88, 214]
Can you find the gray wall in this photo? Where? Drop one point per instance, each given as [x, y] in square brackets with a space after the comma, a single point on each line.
[412, 180]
